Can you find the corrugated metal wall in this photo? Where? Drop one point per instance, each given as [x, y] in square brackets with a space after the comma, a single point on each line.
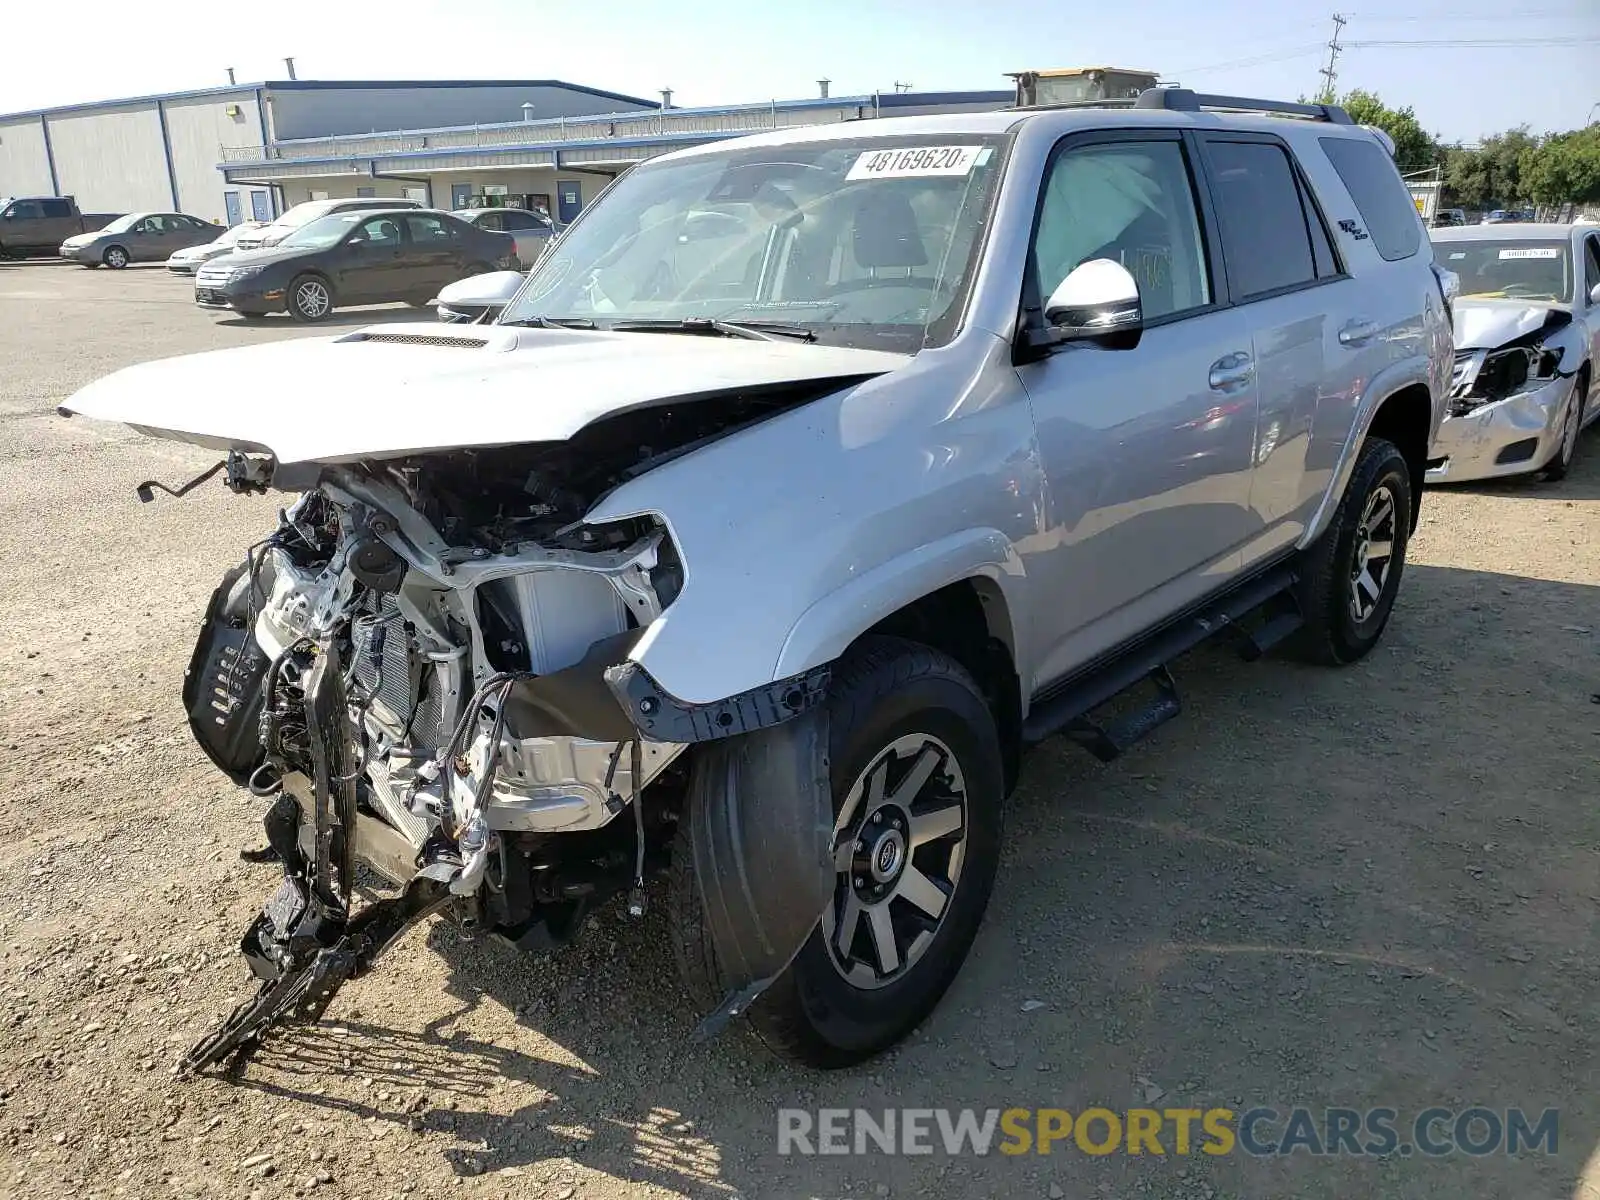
[195, 129]
[112, 160]
[24, 169]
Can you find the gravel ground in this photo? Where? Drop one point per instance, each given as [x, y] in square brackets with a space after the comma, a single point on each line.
[1369, 887]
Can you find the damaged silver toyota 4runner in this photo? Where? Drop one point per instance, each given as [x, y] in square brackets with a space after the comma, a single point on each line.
[807, 480]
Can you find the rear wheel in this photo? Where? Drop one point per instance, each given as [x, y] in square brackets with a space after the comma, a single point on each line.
[310, 299]
[1571, 426]
[917, 789]
[115, 257]
[1351, 576]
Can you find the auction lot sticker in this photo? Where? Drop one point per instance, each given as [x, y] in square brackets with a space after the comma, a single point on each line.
[917, 160]
[1532, 252]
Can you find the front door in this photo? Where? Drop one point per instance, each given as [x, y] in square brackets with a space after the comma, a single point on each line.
[372, 265]
[460, 194]
[261, 206]
[1147, 452]
[230, 201]
[569, 200]
[151, 240]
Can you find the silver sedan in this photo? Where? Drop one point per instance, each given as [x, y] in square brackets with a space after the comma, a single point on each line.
[1527, 334]
[139, 237]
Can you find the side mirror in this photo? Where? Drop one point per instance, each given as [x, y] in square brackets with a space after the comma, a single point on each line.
[1594, 294]
[1099, 302]
[480, 297]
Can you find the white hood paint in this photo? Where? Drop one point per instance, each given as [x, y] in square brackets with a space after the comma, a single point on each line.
[1486, 324]
[347, 397]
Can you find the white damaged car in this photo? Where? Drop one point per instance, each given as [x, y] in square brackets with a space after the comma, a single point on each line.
[1527, 336]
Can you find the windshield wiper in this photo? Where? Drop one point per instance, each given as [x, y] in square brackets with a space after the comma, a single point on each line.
[552, 322]
[760, 331]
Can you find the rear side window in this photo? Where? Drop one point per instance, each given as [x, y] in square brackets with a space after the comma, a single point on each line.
[56, 208]
[1266, 223]
[1381, 198]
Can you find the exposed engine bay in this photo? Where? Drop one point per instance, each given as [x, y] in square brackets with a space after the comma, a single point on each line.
[417, 668]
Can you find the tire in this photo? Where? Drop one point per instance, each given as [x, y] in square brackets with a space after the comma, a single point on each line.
[303, 301]
[89, 266]
[892, 701]
[115, 257]
[1571, 429]
[1377, 500]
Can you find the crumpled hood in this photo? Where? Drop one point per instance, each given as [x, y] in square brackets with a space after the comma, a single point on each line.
[1487, 324]
[393, 390]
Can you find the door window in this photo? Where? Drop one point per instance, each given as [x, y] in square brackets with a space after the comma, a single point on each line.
[1131, 202]
[1266, 236]
[152, 225]
[428, 230]
[25, 210]
[491, 220]
[518, 220]
[382, 233]
[1591, 273]
[56, 208]
[1372, 180]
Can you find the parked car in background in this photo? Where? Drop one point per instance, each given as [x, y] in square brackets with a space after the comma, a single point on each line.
[139, 237]
[809, 478]
[532, 231]
[1527, 337]
[347, 258]
[37, 225]
[189, 260]
[1507, 216]
[1447, 217]
[300, 215]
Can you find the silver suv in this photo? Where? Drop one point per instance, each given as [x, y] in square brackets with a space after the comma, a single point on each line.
[808, 479]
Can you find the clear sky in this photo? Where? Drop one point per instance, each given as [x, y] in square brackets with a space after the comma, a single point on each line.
[712, 53]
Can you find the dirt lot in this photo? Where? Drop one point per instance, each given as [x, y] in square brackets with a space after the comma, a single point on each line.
[1376, 887]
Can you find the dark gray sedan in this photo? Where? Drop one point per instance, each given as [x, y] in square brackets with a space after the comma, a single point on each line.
[139, 237]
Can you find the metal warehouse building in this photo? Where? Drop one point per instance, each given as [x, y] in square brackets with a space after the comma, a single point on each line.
[229, 153]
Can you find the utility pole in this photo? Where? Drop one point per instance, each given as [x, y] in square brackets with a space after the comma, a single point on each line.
[1330, 73]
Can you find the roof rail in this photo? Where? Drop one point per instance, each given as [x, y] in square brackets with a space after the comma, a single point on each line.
[1183, 100]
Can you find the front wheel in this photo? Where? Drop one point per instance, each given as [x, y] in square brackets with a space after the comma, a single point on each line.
[115, 257]
[1571, 427]
[917, 787]
[1352, 574]
[310, 299]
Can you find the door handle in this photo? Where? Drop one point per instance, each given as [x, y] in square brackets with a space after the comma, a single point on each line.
[1232, 372]
[1358, 332]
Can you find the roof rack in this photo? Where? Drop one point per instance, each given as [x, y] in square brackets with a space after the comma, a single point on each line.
[1184, 100]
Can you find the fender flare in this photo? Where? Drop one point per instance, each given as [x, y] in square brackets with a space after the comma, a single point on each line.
[824, 630]
[1409, 372]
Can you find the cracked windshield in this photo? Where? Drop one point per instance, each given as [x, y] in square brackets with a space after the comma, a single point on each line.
[858, 243]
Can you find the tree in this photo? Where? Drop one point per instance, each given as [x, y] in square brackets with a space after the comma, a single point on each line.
[1563, 169]
[1467, 177]
[1414, 148]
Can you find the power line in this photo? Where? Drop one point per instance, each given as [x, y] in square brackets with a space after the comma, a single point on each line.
[1470, 43]
[1275, 56]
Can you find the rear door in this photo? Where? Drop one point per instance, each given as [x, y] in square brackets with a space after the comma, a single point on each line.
[60, 222]
[1589, 301]
[435, 254]
[1297, 300]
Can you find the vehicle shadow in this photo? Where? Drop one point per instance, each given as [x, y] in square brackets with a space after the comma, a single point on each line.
[343, 318]
[1365, 887]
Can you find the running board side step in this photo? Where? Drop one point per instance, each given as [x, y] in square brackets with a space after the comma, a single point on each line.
[1066, 708]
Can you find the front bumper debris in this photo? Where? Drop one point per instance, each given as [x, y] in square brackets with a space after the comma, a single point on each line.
[307, 942]
[1491, 440]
